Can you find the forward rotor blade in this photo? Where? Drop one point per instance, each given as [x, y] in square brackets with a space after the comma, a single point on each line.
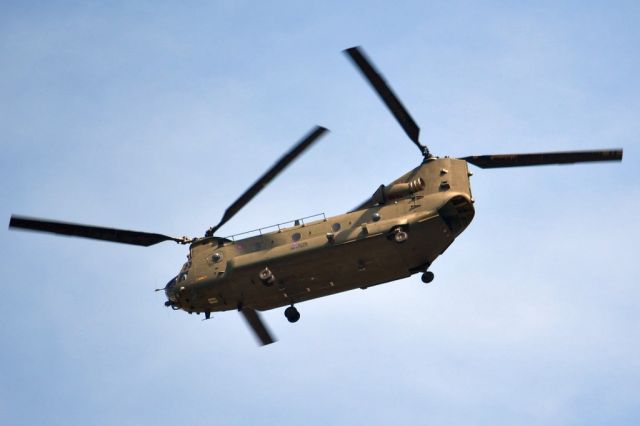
[264, 180]
[258, 326]
[389, 98]
[542, 158]
[94, 232]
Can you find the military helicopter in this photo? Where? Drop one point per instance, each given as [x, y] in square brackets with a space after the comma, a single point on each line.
[399, 231]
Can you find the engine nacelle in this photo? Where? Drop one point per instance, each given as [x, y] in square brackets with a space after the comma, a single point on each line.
[385, 194]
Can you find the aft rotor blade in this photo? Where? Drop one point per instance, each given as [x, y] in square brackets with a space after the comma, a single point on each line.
[258, 326]
[264, 180]
[387, 95]
[94, 232]
[542, 158]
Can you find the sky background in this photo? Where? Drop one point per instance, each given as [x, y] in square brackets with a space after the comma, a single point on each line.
[155, 116]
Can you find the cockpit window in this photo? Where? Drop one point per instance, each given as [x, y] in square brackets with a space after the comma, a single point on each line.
[172, 282]
[182, 276]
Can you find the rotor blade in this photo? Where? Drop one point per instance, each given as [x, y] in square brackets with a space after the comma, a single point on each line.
[389, 98]
[541, 158]
[97, 233]
[258, 326]
[264, 180]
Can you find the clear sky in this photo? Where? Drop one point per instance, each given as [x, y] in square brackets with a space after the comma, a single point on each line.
[155, 116]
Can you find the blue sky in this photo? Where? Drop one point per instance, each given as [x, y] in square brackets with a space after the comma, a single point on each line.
[156, 115]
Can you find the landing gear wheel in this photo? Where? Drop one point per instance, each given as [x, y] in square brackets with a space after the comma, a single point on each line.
[400, 236]
[427, 277]
[292, 314]
[267, 277]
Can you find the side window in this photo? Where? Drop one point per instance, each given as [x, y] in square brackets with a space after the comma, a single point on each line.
[335, 227]
[296, 237]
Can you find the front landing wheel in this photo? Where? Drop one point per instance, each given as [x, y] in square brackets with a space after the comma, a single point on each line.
[427, 277]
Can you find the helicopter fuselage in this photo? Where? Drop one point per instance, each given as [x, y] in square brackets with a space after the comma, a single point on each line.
[358, 249]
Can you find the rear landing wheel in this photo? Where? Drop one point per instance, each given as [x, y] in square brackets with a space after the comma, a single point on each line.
[427, 277]
[292, 314]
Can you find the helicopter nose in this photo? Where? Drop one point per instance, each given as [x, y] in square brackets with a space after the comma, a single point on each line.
[170, 291]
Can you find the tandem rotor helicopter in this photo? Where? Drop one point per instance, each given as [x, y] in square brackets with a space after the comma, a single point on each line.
[399, 231]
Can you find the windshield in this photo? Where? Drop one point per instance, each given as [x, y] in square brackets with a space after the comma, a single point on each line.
[172, 282]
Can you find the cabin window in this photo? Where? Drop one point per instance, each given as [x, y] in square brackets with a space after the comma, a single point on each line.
[296, 237]
[335, 227]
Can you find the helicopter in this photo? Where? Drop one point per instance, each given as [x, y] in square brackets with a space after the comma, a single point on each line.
[399, 231]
